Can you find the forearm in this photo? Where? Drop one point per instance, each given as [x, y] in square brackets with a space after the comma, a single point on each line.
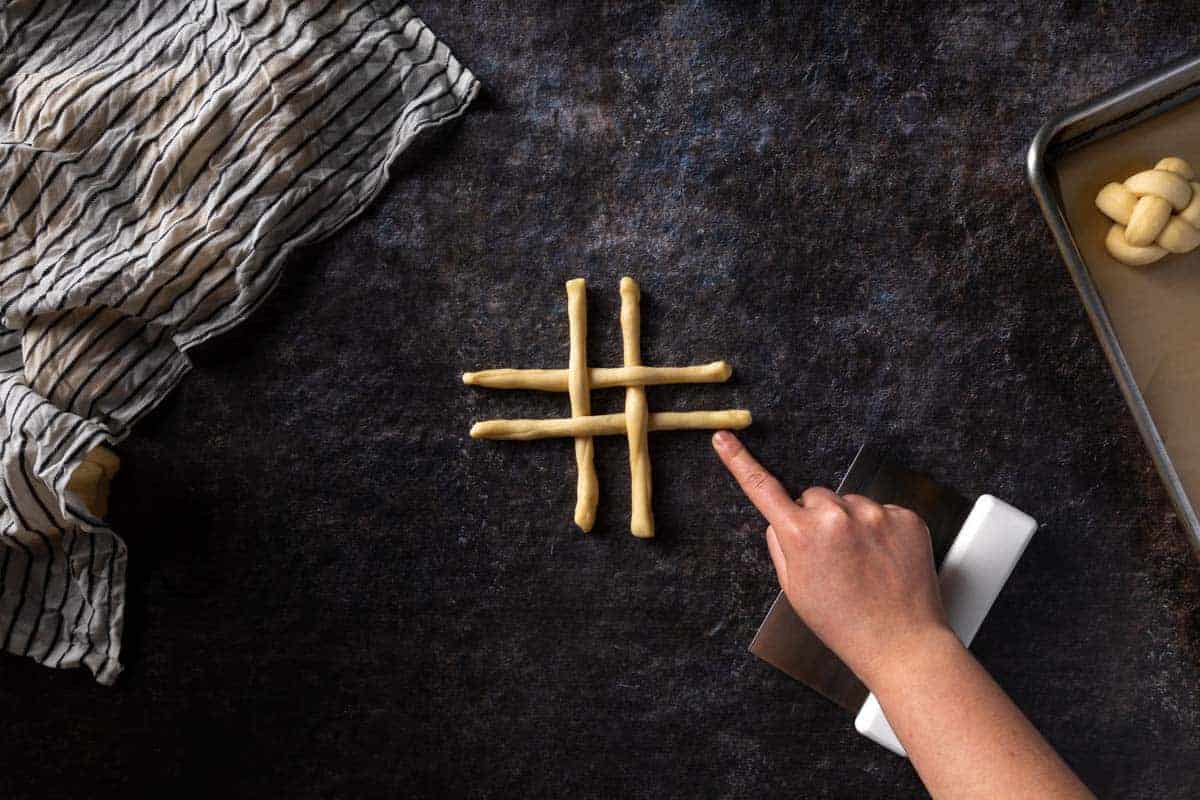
[963, 734]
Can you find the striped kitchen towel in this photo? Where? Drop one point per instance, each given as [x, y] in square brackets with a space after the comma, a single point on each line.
[159, 159]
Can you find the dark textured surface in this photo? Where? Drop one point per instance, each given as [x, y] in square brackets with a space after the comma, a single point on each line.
[336, 593]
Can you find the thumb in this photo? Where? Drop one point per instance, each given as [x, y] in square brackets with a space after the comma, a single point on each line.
[777, 557]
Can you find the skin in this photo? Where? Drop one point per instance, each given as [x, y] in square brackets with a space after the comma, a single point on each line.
[861, 576]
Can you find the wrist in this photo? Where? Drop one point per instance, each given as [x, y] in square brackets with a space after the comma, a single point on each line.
[910, 656]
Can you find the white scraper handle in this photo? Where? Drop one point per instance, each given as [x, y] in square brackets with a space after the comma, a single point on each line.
[976, 568]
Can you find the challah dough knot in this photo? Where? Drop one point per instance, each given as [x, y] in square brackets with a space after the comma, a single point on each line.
[1142, 207]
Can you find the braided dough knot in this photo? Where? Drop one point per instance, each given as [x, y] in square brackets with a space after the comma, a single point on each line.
[1142, 206]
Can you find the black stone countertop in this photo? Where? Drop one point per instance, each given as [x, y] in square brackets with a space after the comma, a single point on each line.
[359, 601]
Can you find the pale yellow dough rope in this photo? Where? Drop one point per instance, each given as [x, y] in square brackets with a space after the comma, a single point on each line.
[608, 425]
[555, 380]
[587, 490]
[641, 522]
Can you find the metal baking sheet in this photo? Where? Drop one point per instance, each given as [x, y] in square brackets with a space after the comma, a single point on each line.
[1147, 319]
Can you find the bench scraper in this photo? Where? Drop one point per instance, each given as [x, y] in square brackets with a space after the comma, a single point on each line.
[977, 545]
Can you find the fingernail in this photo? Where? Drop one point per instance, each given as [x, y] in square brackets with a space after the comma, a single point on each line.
[723, 440]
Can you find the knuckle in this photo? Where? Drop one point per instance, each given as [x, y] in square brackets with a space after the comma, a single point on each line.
[908, 519]
[813, 494]
[870, 514]
[864, 508]
[757, 479]
[834, 517]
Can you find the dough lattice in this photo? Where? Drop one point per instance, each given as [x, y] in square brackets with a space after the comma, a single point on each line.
[635, 423]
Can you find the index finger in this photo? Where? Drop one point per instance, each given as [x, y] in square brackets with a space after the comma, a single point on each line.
[760, 486]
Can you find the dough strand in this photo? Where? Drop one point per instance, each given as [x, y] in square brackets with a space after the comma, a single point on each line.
[587, 489]
[608, 425]
[555, 380]
[641, 523]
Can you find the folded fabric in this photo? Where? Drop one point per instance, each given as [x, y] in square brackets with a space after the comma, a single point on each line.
[160, 159]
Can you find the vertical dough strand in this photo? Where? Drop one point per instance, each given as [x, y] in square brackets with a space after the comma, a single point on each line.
[641, 523]
[587, 491]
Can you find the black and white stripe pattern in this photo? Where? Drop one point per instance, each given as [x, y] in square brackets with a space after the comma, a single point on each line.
[159, 159]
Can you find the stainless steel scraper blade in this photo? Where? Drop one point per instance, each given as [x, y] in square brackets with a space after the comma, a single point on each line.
[787, 644]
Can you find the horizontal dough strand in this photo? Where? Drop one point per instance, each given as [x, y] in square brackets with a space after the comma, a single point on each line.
[608, 425]
[555, 380]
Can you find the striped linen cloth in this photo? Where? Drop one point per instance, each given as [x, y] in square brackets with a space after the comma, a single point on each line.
[159, 159]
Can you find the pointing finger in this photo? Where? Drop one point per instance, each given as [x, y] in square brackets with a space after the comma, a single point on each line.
[760, 486]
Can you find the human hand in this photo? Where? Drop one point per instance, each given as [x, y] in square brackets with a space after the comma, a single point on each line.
[858, 573]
